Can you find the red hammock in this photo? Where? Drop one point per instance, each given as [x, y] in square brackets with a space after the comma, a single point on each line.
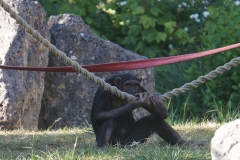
[127, 65]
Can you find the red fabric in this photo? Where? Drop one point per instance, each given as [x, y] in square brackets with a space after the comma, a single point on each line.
[127, 65]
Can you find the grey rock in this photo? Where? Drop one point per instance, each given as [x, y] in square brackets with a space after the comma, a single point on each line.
[21, 91]
[69, 96]
[225, 145]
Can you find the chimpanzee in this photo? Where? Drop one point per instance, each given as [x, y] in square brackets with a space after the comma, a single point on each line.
[113, 121]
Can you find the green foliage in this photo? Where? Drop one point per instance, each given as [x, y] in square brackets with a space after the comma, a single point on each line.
[151, 23]
[221, 29]
[218, 99]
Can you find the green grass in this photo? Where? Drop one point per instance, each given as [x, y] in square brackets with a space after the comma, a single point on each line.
[80, 144]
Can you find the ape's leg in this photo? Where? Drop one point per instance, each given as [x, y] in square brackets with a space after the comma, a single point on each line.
[144, 127]
[166, 132]
[105, 133]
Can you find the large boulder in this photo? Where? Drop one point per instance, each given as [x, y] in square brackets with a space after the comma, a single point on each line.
[226, 142]
[69, 96]
[21, 91]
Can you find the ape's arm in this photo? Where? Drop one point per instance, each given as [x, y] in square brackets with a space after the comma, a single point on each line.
[115, 113]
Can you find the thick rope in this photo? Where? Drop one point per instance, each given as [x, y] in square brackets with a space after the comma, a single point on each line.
[202, 79]
[101, 82]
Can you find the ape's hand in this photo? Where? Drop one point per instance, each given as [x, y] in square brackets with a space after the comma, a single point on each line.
[140, 100]
[156, 100]
[159, 106]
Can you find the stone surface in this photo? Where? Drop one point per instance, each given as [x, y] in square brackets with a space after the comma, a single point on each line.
[21, 91]
[225, 145]
[69, 95]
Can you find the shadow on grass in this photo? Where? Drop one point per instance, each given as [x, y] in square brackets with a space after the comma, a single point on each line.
[20, 142]
[80, 143]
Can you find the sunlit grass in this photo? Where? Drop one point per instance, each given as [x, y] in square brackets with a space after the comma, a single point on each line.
[80, 144]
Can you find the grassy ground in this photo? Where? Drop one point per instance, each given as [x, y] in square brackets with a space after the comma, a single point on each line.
[80, 144]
